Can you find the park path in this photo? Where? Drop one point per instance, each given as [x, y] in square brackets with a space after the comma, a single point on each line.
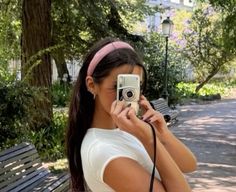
[209, 130]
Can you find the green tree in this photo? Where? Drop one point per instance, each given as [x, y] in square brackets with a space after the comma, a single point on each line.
[154, 53]
[10, 31]
[77, 25]
[228, 11]
[205, 47]
[35, 60]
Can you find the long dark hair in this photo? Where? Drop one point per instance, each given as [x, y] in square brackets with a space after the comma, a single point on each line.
[82, 103]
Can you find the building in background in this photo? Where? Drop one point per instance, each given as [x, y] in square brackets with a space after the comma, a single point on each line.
[153, 22]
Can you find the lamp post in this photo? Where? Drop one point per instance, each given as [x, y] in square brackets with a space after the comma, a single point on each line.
[167, 26]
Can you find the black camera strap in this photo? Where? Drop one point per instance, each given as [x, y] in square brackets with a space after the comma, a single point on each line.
[154, 158]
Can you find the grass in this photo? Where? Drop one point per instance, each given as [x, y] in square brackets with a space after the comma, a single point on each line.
[58, 166]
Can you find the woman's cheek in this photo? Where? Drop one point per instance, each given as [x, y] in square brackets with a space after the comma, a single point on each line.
[111, 99]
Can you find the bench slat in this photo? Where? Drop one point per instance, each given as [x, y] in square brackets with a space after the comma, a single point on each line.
[26, 181]
[21, 169]
[19, 178]
[62, 184]
[64, 187]
[21, 163]
[14, 148]
[161, 105]
[42, 184]
[54, 182]
[32, 182]
[18, 156]
[14, 153]
[13, 165]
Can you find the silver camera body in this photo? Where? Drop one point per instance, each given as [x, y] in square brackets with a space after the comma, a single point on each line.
[128, 89]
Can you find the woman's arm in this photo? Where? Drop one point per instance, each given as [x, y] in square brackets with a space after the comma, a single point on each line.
[171, 176]
[126, 175]
[183, 157]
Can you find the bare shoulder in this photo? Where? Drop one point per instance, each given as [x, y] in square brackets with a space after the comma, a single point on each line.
[125, 174]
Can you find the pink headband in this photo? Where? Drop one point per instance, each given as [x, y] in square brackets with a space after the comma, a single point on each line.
[105, 51]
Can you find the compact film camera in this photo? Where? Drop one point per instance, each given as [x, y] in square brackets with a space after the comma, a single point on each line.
[128, 89]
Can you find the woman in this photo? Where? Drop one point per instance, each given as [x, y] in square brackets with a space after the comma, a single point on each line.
[109, 148]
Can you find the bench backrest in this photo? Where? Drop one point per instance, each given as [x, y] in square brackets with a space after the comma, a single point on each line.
[162, 106]
[20, 165]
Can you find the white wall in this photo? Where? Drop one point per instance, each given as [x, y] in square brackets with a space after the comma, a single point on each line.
[72, 66]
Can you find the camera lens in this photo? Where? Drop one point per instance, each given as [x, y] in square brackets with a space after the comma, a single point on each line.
[129, 94]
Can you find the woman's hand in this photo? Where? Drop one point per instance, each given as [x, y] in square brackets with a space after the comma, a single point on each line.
[183, 157]
[152, 116]
[126, 120]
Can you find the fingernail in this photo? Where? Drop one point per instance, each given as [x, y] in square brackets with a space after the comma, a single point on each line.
[147, 120]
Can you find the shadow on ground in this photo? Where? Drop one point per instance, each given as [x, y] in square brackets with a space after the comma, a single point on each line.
[209, 130]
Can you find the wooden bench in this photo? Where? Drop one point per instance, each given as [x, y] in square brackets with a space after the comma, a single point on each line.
[169, 114]
[21, 170]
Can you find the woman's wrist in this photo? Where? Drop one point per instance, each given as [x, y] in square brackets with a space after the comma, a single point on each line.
[146, 136]
[165, 135]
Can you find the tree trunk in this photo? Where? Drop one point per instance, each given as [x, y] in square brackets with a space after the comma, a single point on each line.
[212, 74]
[60, 61]
[36, 36]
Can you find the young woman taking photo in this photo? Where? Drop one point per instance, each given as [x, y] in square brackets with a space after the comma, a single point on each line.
[109, 147]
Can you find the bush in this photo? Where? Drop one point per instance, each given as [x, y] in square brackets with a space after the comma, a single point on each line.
[18, 118]
[50, 141]
[154, 61]
[60, 93]
[210, 91]
[16, 111]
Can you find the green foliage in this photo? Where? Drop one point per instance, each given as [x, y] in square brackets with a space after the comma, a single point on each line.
[229, 22]
[205, 47]
[17, 119]
[232, 83]
[50, 141]
[154, 60]
[60, 94]
[17, 114]
[10, 29]
[210, 91]
[17, 108]
[76, 26]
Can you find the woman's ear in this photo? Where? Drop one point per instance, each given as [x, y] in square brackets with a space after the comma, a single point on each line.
[90, 85]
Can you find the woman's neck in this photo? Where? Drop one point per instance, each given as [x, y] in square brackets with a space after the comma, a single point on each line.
[103, 120]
